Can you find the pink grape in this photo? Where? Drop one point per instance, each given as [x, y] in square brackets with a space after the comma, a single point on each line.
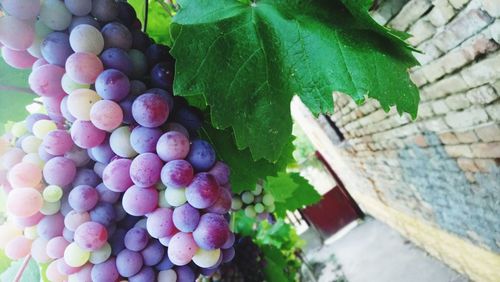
[212, 231]
[145, 170]
[150, 110]
[18, 59]
[106, 115]
[59, 171]
[203, 191]
[177, 174]
[140, 201]
[57, 142]
[186, 218]
[78, 155]
[25, 175]
[182, 248]
[46, 81]
[12, 157]
[91, 236]
[18, 248]
[53, 107]
[74, 219]
[16, 34]
[172, 145]
[65, 269]
[22, 9]
[116, 175]
[84, 67]
[39, 250]
[144, 139]
[84, 274]
[38, 63]
[159, 223]
[24, 202]
[136, 239]
[29, 220]
[56, 247]
[221, 172]
[223, 204]
[53, 273]
[86, 135]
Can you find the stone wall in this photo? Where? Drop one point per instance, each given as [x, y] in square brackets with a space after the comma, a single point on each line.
[442, 168]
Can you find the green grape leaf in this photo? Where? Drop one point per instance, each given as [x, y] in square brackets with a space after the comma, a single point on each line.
[248, 60]
[30, 274]
[158, 26]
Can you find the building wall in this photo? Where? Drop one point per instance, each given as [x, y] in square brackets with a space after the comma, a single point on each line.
[438, 173]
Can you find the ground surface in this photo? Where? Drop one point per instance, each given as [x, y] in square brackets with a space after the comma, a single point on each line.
[373, 252]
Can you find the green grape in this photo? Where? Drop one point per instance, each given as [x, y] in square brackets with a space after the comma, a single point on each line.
[100, 255]
[52, 193]
[49, 208]
[250, 211]
[257, 191]
[18, 129]
[270, 208]
[43, 127]
[236, 204]
[75, 256]
[162, 201]
[247, 197]
[268, 200]
[259, 208]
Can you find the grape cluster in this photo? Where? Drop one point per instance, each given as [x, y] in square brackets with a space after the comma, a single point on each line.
[112, 182]
[255, 203]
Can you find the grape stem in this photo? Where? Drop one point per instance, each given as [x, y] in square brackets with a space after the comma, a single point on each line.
[146, 13]
[21, 270]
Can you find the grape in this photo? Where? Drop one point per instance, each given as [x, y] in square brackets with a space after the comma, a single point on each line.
[157, 53]
[100, 255]
[51, 226]
[229, 242]
[83, 198]
[247, 197]
[118, 59]
[75, 256]
[258, 190]
[69, 85]
[116, 35]
[85, 176]
[221, 172]
[150, 110]
[104, 10]
[120, 142]
[79, 7]
[168, 275]
[49, 208]
[78, 156]
[22, 9]
[145, 170]
[80, 103]
[68, 235]
[182, 248]
[126, 13]
[86, 38]
[106, 271]
[57, 142]
[143, 139]
[56, 246]
[59, 171]
[53, 107]
[186, 218]
[141, 41]
[24, 175]
[18, 248]
[116, 241]
[53, 273]
[103, 152]
[112, 85]
[268, 200]
[185, 274]
[38, 250]
[84, 274]
[28, 221]
[91, 236]
[76, 21]
[128, 263]
[106, 195]
[24, 202]
[172, 145]
[139, 63]
[46, 81]
[126, 106]
[162, 76]
[31, 119]
[153, 253]
[164, 264]
[250, 212]
[65, 269]
[103, 213]
[146, 274]
[18, 59]
[86, 135]
[140, 201]
[223, 203]
[177, 174]
[106, 115]
[12, 157]
[52, 193]
[228, 255]
[136, 239]
[159, 223]
[259, 208]
[74, 219]
[190, 118]
[201, 156]
[116, 175]
[16, 34]
[55, 15]
[175, 197]
[206, 258]
[203, 191]
[65, 111]
[56, 49]
[84, 67]
[212, 231]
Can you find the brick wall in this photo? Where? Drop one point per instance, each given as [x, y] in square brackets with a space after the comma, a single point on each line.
[442, 168]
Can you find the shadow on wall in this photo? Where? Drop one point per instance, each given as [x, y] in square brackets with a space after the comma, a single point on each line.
[469, 208]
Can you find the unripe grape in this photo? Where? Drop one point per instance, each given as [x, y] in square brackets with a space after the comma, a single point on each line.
[247, 197]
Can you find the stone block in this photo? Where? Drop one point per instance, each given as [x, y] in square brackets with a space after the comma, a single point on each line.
[440, 107]
[487, 70]
[435, 125]
[441, 13]
[494, 111]
[492, 7]
[421, 31]
[410, 12]
[467, 164]
[489, 133]
[448, 138]
[429, 52]
[458, 4]
[482, 95]
[457, 102]
[485, 165]
[424, 110]
[457, 151]
[467, 136]
[450, 84]
[486, 150]
[466, 118]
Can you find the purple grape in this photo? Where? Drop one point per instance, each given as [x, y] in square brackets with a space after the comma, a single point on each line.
[189, 117]
[164, 264]
[116, 58]
[91, 236]
[105, 272]
[83, 198]
[68, 234]
[140, 40]
[159, 223]
[145, 170]
[185, 274]
[230, 241]
[140, 201]
[103, 213]
[212, 231]
[165, 94]
[55, 48]
[57, 142]
[116, 175]
[172, 145]
[203, 191]
[136, 239]
[120, 211]
[128, 263]
[201, 155]
[126, 14]
[139, 63]
[59, 171]
[177, 174]
[174, 126]
[221, 172]
[126, 106]
[44, 155]
[99, 168]
[146, 274]
[186, 218]
[150, 110]
[227, 255]
[51, 226]
[106, 195]
[116, 35]
[104, 10]
[85, 176]
[76, 21]
[144, 139]
[223, 204]
[137, 87]
[158, 53]
[79, 7]
[86, 135]
[117, 241]
[103, 152]
[162, 76]
[153, 253]
[113, 85]
[78, 155]
[129, 221]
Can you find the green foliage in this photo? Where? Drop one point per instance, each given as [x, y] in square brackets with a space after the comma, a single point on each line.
[30, 274]
[252, 58]
[159, 20]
